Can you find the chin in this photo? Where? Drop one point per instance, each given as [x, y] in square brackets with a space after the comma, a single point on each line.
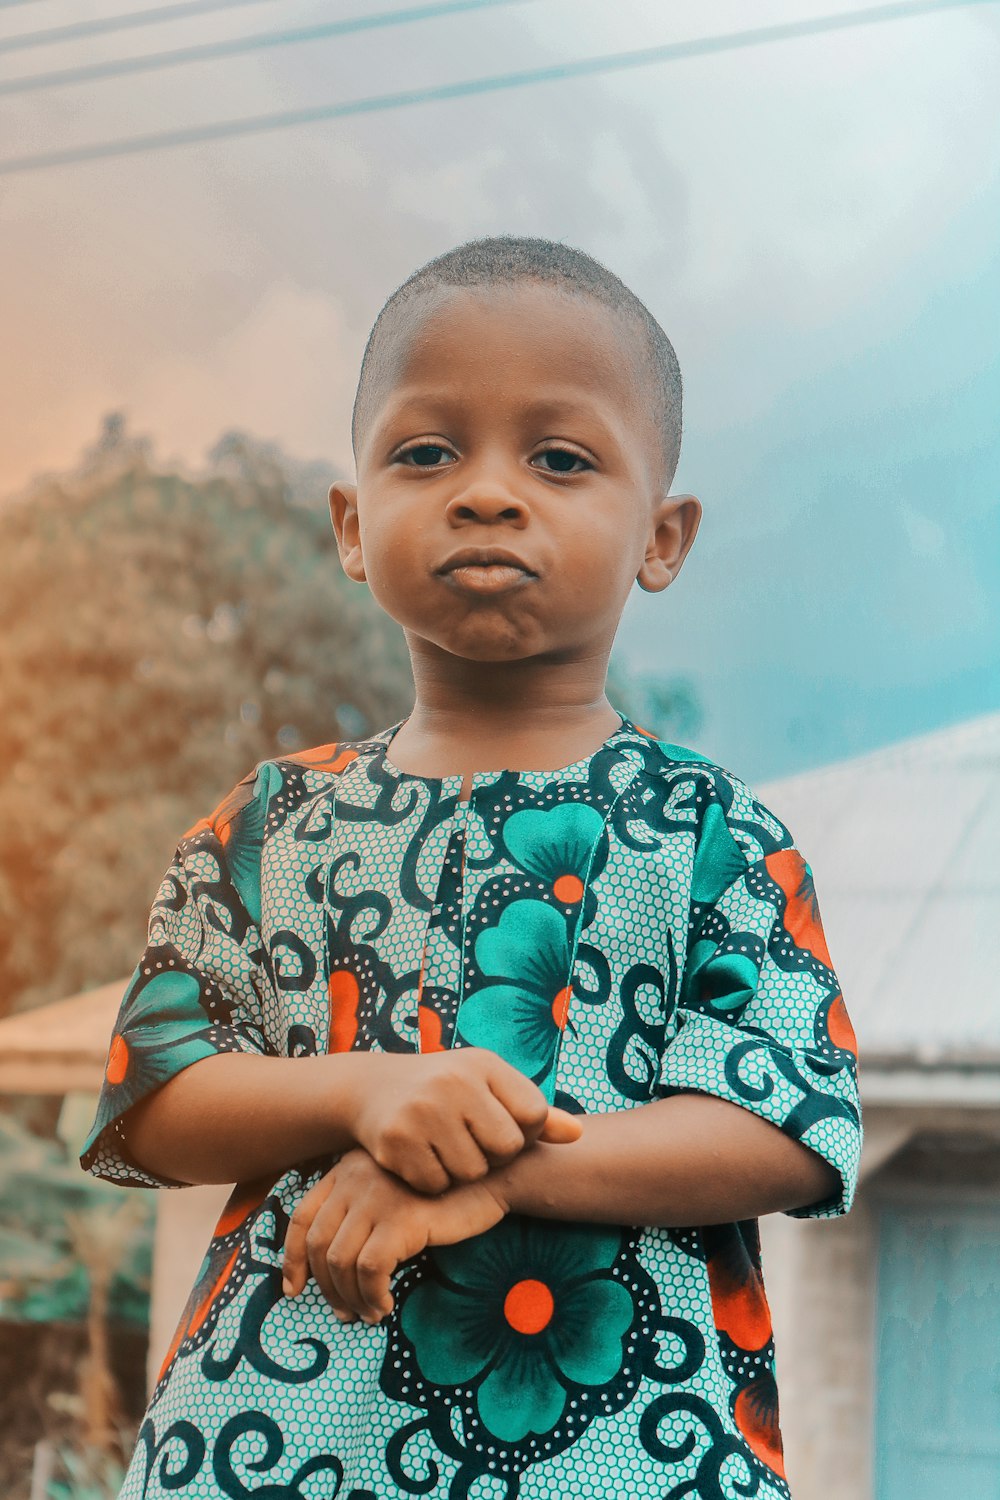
[488, 646]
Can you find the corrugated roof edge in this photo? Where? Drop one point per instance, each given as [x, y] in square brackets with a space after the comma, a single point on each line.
[964, 741]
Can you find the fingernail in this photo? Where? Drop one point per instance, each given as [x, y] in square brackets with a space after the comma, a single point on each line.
[286, 1286]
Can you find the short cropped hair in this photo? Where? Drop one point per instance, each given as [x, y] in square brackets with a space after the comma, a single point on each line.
[505, 261]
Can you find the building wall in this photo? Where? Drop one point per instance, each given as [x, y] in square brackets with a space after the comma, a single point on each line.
[819, 1276]
[821, 1283]
[185, 1219]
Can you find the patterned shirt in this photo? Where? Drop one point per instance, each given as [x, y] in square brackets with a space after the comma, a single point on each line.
[628, 927]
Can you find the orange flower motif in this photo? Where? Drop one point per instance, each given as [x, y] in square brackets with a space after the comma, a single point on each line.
[739, 1306]
[429, 1025]
[117, 1065]
[839, 1028]
[219, 1264]
[528, 1306]
[220, 821]
[323, 758]
[344, 993]
[789, 870]
[755, 1412]
[743, 1319]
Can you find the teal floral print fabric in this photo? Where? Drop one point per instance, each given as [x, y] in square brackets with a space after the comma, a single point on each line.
[625, 928]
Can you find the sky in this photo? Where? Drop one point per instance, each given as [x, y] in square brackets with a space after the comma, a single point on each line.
[815, 221]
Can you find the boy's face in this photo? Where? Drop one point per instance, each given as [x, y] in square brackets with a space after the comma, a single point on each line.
[507, 491]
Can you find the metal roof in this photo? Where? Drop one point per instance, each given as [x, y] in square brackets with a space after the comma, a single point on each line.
[904, 846]
[59, 1047]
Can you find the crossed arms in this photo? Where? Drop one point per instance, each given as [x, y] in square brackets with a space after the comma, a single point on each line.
[436, 1148]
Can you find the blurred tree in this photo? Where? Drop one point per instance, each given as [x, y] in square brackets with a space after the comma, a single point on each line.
[668, 707]
[52, 1216]
[162, 633]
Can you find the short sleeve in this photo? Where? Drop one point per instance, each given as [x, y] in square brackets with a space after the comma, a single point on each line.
[193, 992]
[761, 1019]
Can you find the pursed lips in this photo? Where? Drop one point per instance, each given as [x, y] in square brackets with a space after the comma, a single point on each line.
[486, 570]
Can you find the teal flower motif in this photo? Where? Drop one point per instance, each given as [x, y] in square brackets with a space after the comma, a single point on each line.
[526, 1316]
[523, 1015]
[557, 845]
[718, 860]
[717, 980]
[242, 838]
[162, 1026]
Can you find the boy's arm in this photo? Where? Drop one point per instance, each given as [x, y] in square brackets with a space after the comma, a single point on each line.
[689, 1159]
[433, 1120]
[236, 1117]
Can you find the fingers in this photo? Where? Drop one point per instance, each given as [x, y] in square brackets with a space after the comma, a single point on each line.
[315, 1219]
[560, 1128]
[522, 1099]
[295, 1266]
[341, 1264]
[376, 1262]
[351, 1231]
[416, 1162]
[496, 1132]
[461, 1155]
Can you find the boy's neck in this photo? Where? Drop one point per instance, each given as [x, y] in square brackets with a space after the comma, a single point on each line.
[490, 716]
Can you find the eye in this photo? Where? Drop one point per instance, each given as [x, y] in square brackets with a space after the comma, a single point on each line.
[424, 455]
[562, 460]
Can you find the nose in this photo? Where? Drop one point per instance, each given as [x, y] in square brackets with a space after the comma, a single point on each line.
[486, 501]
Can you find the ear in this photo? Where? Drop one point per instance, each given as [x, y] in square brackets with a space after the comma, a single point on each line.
[673, 529]
[344, 515]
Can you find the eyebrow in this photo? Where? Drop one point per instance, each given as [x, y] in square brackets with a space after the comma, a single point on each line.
[553, 408]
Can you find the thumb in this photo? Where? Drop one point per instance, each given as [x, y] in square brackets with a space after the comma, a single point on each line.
[560, 1128]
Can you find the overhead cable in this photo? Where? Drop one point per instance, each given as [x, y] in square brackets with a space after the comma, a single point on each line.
[102, 26]
[260, 41]
[582, 67]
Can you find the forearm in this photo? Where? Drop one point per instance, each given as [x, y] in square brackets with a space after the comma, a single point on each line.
[237, 1116]
[689, 1159]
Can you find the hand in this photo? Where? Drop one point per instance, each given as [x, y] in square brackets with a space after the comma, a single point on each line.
[446, 1118]
[359, 1222]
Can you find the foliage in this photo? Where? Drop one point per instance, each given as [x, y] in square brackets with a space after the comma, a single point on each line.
[667, 706]
[88, 1476]
[161, 634]
[51, 1213]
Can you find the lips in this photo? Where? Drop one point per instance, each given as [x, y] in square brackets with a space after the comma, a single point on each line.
[486, 570]
[485, 557]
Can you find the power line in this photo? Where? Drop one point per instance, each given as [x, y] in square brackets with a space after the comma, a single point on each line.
[123, 22]
[609, 62]
[257, 42]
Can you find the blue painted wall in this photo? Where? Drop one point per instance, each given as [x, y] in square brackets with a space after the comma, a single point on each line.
[937, 1417]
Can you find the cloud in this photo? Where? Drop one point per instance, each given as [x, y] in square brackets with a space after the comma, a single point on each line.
[282, 371]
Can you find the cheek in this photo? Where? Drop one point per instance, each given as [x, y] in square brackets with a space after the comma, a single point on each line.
[606, 554]
[381, 547]
[395, 570]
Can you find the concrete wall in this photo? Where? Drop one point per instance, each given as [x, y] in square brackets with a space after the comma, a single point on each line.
[821, 1283]
[819, 1276]
[185, 1218]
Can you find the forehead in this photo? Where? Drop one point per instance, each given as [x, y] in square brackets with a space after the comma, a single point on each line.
[529, 338]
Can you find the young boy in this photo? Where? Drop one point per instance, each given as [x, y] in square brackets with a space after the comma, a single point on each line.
[552, 995]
